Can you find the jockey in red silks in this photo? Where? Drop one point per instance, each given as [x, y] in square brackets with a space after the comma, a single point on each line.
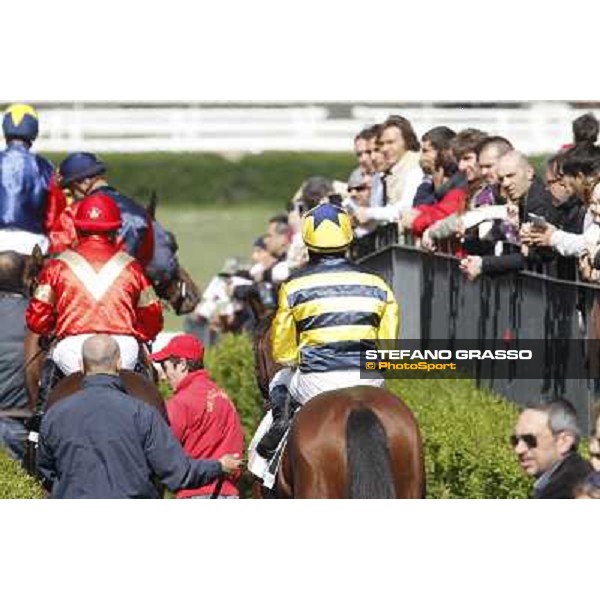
[30, 199]
[94, 288]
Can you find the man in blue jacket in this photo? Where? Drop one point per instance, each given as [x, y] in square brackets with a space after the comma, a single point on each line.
[102, 443]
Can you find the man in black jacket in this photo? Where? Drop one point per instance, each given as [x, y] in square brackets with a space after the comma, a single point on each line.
[545, 442]
[102, 443]
[527, 195]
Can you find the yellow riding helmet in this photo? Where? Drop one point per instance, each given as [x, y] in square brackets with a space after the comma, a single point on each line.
[327, 228]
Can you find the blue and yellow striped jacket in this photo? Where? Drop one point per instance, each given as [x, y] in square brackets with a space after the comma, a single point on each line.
[324, 312]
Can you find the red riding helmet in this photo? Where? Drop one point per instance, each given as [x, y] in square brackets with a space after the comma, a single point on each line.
[98, 213]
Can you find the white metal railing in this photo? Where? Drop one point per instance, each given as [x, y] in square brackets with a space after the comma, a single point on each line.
[537, 128]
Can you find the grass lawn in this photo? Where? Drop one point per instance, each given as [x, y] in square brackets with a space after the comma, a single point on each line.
[207, 236]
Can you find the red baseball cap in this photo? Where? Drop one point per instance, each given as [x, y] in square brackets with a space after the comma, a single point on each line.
[181, 346]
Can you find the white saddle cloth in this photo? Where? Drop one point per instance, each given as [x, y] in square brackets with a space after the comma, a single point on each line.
[21, 241]
[259, 466]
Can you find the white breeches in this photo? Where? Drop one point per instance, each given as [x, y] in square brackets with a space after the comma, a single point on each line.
[21, 241]
[304, 386]
[67, 353]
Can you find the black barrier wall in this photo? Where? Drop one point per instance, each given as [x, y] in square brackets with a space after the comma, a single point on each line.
[437, 302]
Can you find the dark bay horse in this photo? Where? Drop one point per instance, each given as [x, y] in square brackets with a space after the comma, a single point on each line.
[356, 442]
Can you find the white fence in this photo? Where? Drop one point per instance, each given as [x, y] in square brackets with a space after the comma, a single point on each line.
[536, 128]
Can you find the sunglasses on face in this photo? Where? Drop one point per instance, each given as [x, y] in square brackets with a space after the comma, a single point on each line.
[527, 438]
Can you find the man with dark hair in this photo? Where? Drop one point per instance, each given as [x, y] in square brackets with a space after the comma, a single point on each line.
[103, 443]
[488, 151]
[545, 442]
[585, 129]
[377, 187]
[578, 169]
[363, 148]
[399, 147]
[202, 417]
[458, 189]
[435, 145]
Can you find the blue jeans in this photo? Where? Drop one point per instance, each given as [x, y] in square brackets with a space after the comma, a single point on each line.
[12, 437]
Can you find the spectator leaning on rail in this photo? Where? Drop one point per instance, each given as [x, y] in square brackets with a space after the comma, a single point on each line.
[435, 147]
[579, 171]
[30, 200]
[103, 443]
[328, 313]
[526, 195]
[399, 147]
[488, 151]
[202, 417]
[94, 288]
[545, 442]
[456, 187]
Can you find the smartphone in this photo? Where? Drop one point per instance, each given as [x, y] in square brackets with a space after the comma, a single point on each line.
[537, 222]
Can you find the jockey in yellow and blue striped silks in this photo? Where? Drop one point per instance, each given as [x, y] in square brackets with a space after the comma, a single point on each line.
[328, 313]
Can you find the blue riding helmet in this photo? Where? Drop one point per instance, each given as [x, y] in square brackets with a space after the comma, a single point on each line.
[20, 121]
[78, 166]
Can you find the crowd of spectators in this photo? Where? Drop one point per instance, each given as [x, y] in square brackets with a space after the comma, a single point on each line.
[468, 193]
[471, 194]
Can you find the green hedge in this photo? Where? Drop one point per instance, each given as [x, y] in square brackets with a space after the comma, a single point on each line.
[231, 365]
[210, 179]
[14, 482]
[465, 430]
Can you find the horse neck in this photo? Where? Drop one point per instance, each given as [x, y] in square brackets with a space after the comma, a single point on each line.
[266, 367]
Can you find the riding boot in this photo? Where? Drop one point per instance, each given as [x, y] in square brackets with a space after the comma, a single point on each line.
[280, 409]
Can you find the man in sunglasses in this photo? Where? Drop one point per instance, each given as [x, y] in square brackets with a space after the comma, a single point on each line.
[545, 442]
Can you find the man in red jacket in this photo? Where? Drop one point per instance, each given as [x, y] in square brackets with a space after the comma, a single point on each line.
[464, 148]
[202, 417]
[94, 288]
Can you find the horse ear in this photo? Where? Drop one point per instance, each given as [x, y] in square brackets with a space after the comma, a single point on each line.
[151, 208]
[37, 256]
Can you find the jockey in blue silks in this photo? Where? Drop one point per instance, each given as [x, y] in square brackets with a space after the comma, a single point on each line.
[26, 179]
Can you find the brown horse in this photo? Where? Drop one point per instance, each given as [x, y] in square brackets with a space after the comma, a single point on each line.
[358, 442]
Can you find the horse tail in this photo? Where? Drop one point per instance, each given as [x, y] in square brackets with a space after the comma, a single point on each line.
[368, 455]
